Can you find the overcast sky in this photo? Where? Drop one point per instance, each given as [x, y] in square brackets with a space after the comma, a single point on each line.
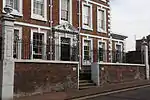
[131, 18]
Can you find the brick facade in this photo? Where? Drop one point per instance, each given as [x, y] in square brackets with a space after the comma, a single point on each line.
[33, 74]
[110, 74]
[35, 78]
[26, 18]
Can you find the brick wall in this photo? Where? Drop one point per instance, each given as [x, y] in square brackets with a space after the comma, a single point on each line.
[120, 73]
[31, 78]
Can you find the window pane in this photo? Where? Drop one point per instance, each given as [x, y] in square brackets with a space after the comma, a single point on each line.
[101, 19]
[38, 7]
[16, 5]
[15, 46]
[87, 50]
[86, 15]
[118, 53]
[13, 3]
[102, 51]
[65, 10]
[37, 45]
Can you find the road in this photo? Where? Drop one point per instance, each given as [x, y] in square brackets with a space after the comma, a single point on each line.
[138, 94]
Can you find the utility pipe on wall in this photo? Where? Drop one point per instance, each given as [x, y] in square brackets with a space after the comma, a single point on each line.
[51, 26]
[79, 29]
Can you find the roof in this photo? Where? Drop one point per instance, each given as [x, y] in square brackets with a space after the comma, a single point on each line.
[118, 36]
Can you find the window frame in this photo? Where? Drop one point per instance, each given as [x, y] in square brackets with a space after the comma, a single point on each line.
[37, 16]
[87, 62]
[69, 14]
[88, 27]
[39, 31]
[102, 41]
[105, 18]
[20, 42]
[15, 12]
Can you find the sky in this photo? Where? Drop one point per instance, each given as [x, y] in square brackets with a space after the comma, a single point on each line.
[130, 18]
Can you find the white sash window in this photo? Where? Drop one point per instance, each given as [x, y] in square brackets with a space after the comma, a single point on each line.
[38, 7]
[101, 20]
[87, 16]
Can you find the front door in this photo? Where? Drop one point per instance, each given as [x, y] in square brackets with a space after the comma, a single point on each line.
[65, 49]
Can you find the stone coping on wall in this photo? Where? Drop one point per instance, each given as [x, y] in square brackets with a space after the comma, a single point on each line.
[122, 64]
[44, 61]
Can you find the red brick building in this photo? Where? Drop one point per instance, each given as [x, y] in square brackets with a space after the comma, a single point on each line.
[41, 24]
[63, 31]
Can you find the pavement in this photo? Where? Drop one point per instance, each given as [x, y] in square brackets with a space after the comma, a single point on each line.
[76, 94]
[137, 94]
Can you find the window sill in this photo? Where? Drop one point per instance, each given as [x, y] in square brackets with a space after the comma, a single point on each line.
[87, 27]
[63, 21]
[38, 17]
[101, 31]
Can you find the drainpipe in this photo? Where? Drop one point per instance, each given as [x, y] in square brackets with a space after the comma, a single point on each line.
[79, 43]
[51, 26]
[79, 15]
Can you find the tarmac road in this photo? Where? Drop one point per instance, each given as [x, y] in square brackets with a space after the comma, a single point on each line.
[138, 94]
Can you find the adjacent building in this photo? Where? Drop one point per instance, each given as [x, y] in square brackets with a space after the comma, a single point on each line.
[137, 56]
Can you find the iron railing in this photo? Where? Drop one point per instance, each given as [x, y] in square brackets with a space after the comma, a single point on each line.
[105, 55]
[62, 52]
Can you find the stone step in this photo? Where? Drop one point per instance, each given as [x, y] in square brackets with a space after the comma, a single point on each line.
[86, 87]
[86, 84]
[85, 81]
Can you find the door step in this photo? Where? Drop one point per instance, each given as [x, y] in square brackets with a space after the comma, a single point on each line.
[86, 87]
[85, 84]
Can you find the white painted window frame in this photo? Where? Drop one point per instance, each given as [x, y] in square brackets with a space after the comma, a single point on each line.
[19, 28]
[91, 53]
[15, 12]
[36, 16]
[102, 41]
[70, 13]
[98, 27]
[58, 43]
[91, 15]
[39, 31]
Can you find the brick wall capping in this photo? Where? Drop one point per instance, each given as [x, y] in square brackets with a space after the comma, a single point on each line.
[45, 61]
[121, 64]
